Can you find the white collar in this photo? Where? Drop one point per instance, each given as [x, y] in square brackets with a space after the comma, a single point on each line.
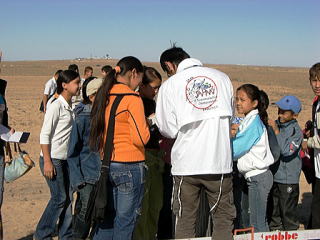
[64, 102]
[187, 63]
[252, 113]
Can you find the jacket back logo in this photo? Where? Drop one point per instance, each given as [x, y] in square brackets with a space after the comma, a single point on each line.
[201, 92]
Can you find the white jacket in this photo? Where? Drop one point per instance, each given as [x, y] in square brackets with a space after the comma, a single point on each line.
[251, 146]
[195, 106]
[56, 128]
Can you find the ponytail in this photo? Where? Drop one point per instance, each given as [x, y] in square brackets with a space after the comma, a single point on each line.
[98, 111]
[102, 99]
[263, 104]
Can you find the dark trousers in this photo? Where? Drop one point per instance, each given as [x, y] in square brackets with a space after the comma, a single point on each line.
[284, 207]
[315, 206]
[241, 200]
[166, 218]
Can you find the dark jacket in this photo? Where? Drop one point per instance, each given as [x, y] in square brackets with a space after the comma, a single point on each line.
[289, 140]
[3, 111]
[155, 136]
[84, 164]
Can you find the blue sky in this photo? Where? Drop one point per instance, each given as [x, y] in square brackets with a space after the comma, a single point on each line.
[265, 32]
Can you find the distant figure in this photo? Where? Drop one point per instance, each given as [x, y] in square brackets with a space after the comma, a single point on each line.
[285, 190]
[105, 70]
[74, 67]
[88, 72]
[54, 140]
[49, 90]
[195, 106]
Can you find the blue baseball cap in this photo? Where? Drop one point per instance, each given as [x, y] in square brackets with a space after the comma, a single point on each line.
[289, 103]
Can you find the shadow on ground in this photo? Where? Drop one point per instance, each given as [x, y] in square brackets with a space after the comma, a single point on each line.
[29, 237]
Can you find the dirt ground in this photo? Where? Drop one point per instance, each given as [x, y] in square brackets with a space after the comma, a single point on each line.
[26, 198]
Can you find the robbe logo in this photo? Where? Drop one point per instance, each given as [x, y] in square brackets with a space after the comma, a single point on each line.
[201, 92]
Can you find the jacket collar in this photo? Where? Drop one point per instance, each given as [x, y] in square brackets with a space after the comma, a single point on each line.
[252, 113]
[122, 89]
[64, 103]
[188, 63]
[83, 109]
[286, 124]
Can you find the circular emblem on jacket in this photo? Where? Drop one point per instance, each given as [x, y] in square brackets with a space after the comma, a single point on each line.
[289, 189]
[201, 92]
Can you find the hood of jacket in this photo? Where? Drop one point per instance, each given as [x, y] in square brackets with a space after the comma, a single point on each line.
[83, 109]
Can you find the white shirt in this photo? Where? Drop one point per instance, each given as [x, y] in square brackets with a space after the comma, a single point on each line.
[56, 128]
[50, 87]
[316, 150]
[195, 106]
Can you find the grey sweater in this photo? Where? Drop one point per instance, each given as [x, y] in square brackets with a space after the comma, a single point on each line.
[289, 165]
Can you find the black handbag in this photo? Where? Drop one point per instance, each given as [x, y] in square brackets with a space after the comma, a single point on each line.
[41, 107]
[98, 200]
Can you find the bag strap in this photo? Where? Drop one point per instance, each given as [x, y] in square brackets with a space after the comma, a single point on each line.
[108, 147]
[8, 150]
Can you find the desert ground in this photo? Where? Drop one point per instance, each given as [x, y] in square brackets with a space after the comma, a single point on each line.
[26, 198]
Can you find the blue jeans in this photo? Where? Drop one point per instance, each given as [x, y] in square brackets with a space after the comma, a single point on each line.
[59, 205]
[2, 166]
[81, 228]
[259, 187]
[126, 193]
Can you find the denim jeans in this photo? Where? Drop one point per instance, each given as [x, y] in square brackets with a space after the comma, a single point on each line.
[126, 193]
[259, 187]
[59, 205]
[81, 228]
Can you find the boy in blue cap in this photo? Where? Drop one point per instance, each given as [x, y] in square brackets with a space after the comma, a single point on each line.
[285, 190]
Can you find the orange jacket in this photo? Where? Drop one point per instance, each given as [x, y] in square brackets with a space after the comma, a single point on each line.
[131, 130]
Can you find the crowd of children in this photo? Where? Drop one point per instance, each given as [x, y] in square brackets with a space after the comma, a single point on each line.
[122, 127]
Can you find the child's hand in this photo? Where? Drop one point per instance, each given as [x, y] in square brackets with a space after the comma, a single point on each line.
[272, 123]
[151, 119]
[234, 129]
[12, 131]
[307, 133]
[304, 146]
[49, 170]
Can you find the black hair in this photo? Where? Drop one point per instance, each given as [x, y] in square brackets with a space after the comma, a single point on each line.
[314, 72]
[254, 93]
[3, 86]
[74, 67]
[106, 68]
[150, 75]
[102, 99]
[85, 97]
[65, 77]
[174, 55]
[58, 72]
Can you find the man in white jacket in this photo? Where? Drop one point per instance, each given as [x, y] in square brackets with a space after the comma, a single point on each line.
[195, 106]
